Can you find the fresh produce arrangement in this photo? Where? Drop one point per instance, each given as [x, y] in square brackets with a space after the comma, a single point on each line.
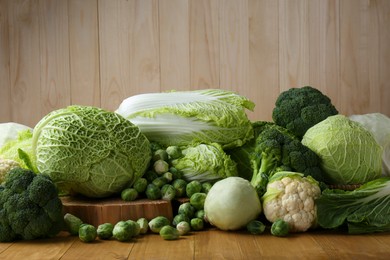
[309, 168]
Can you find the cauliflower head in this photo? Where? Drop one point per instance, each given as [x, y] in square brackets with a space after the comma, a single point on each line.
[291, 196]
[6, 165]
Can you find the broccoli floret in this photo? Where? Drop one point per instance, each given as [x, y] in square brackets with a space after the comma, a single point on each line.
[29, 206]
[298, 109]
[276, 149]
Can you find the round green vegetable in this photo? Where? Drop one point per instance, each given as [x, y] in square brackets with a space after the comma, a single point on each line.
[123, 231]
[173, 152]
[200, 214]
[87, 233]
[197, 200]
[197, 224]
[90, 151]
[193, 187]
[129, 194]
[169, 233]
[206, 186]
[160, 166]
[153, 192]
[179, 218]
[144, 225]
[255, 227]
[157, 223]
[183, 227]
[140, 185]
[349, 153]
[160, 181]
[280, 228]
[168, 192]
[232, 203]
[135, 227]
[160, 154]
[104, 231]
[187, 209]
[180, 187]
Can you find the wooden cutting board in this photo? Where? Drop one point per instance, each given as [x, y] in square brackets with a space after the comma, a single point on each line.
[112, 210]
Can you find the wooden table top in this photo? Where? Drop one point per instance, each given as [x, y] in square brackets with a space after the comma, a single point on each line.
[207, 244]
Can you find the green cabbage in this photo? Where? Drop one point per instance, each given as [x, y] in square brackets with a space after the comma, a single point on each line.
[205, 162]
[349, 153]
[183, 118]
[90, 151]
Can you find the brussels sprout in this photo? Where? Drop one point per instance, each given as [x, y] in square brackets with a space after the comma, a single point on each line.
[160, 154]
[206, 186]
[280, 228]
[193, 187]
[168, 176]
[183, 227]
[123, 231]
[87, 233]
[168, 192]
[187, 209]
[197, 224]
[160, 166]
[173, 152]
[140, 185]
[169, 233]
[157, 223]
[255, 227]
[135, 227]
[160, 181]
[199, 214]
[180, 187]
[144, 225]
[72, 223]
[153, 192]
[176, 174]
[179, 218]
[197, 200]
[104, 231]
[129, 194]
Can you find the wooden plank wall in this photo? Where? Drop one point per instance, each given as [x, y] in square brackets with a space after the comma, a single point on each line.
[97, 52]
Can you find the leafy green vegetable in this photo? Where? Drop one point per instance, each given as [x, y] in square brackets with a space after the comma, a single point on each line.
[104, 231]
[20, 150]
[379, 125]
[182, 118]
[72, 223]
[280, 228]
[10, 130]
[87, 233]
[349, 153]
[169, 233]
[90, 151]
[298, 109]
[205, 162]
[364, 210]
[255, 227]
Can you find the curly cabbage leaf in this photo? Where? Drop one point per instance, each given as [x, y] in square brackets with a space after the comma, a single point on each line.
[349, 153]
[364, 210]
[205, 162]
[184, 118]
[90, 151]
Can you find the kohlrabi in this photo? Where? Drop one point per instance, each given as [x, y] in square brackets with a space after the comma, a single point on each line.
[349, 153]
[90, 151]
[182, 118]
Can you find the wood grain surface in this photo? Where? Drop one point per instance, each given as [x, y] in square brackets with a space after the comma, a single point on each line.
[98, 52]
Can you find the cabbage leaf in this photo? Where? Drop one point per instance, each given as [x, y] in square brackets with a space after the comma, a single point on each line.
[183, 118]
[364, 210]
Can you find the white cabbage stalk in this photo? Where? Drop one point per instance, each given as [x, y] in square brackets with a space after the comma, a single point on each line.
[186, 117]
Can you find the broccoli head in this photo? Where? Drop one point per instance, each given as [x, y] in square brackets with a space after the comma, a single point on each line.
[298, 109]
[29, 207]
[277, 149]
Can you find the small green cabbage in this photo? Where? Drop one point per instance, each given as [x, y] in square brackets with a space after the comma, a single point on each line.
[349, 153]
[90, 151]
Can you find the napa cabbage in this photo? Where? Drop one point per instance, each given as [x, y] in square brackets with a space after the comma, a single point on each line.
[349, 153]
[182, 118]
[90, 151]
